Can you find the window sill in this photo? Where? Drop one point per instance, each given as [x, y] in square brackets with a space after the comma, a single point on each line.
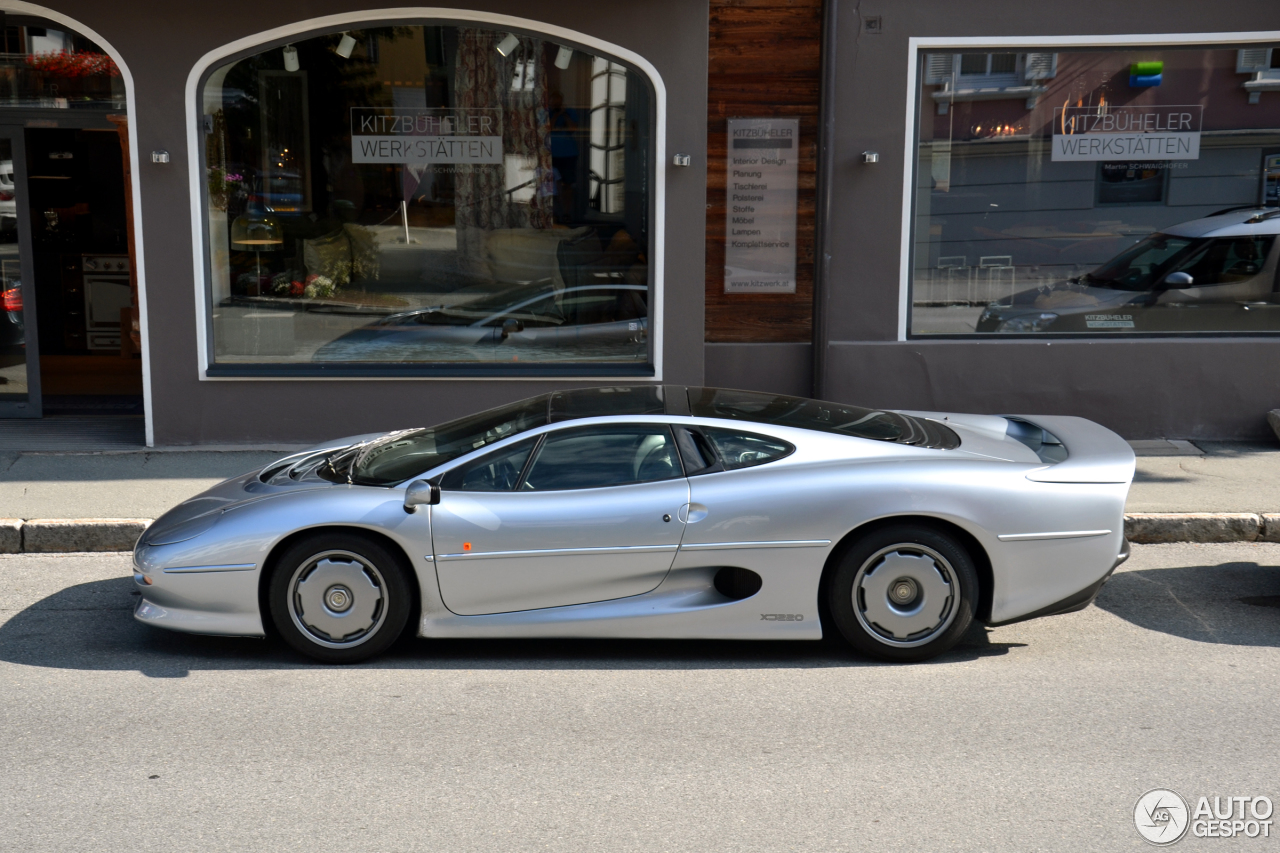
[424, 371]
[1030, 93]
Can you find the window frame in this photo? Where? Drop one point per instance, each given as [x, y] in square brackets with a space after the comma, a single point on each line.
[918, 49]
[655, 214]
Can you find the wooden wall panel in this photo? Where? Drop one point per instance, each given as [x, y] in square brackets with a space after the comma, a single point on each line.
[764, 62]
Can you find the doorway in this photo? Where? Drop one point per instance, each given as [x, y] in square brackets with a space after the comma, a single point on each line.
[82, 271]
[68, 289]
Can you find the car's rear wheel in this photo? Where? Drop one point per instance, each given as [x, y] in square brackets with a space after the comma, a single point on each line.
[339, 597]
[907, 592]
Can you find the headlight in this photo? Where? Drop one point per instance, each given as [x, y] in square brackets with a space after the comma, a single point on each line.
[1028, 323]
[171, 534]
[989, 314]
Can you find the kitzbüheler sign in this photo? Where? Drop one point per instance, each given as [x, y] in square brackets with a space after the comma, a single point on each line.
[760, 205]
[1121, 133]
[425, 136]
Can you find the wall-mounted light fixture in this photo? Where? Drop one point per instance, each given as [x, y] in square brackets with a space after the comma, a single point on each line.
[871, 156]
[345, 46]
[290, 58]
[563, 56]
[681, 160]
[508, 44]
[160, 156]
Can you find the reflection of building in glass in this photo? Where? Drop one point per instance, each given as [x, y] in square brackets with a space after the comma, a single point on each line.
[441, 195]
[1009, 196]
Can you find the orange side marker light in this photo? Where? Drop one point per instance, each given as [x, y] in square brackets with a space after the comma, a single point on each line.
[466, 546]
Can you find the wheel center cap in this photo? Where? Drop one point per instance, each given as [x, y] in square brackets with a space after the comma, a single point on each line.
[338, 598]
[902, 591]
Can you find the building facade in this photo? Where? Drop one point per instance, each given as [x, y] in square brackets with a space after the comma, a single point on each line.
[281, 224]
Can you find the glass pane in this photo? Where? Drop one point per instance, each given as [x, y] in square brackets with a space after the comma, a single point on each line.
[13, 346]
[498, 472]
[1061, 200]
[609, 456]
[974, 63]
[742, 450]
[417, 195]
[44, 66]
[408, 453]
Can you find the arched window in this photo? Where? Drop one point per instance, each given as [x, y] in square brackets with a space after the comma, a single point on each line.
[428, 197]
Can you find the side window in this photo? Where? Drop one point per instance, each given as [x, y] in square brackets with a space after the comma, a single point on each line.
[595, 457]
[497, 472]
[744, 449]
[1228, 260]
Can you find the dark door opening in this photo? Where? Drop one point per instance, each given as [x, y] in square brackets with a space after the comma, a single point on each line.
[80, 263]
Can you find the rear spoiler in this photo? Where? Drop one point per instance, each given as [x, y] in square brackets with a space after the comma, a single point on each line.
[1095, 454]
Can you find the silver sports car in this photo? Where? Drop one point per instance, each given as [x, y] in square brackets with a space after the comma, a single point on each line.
[654, 511]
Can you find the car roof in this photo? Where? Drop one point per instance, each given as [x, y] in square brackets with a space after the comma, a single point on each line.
[1232, 222]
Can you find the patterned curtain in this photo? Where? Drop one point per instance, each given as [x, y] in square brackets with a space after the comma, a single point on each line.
[516, 86]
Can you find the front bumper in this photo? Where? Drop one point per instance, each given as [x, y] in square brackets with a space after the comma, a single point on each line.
[218, 600]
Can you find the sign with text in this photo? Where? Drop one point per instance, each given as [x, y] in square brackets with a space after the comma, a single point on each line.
[760, 205]
[1124, 133]
[395, 136]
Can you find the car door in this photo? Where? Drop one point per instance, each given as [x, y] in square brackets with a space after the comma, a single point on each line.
[577, 515]
[1229, 278]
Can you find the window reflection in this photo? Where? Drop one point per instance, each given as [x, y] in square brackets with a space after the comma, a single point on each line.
[442, 195]
[1097, 192]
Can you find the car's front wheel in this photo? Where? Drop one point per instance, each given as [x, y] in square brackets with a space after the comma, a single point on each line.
[339, 597]
[906, 592]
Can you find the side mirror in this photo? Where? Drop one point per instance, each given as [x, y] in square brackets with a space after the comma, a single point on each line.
[510, 327]
[1179, 279]
[420, 493]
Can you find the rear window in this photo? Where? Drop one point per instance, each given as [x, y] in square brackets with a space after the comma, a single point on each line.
[819, 415]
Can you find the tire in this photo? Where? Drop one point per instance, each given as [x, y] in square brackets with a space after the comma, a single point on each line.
[920, 606]
[339, 597]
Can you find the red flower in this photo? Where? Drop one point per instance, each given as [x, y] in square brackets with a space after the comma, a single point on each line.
[296, 288]
[76, 64]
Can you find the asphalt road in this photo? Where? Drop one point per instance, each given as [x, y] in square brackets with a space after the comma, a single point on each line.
[1039, 736]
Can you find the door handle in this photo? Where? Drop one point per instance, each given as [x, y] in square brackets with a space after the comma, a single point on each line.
[693, 513]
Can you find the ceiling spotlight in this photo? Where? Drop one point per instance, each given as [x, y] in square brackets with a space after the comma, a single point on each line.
[508, 44]
[563, 56]
[345, 46]
[290, 58]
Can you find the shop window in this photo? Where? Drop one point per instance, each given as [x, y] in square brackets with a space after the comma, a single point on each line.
[428, 198]
[1111, 204]
[1131, 183]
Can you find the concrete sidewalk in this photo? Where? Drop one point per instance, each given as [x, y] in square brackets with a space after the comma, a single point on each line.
[1178, 477]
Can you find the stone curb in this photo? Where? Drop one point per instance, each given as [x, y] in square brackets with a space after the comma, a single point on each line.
[1157, 527]
[60, 535]
[57, 535]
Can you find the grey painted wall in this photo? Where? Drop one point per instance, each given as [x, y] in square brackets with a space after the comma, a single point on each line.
[1169, 387]
[161, 42]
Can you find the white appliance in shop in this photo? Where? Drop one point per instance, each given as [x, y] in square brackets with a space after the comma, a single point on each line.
[106, 292]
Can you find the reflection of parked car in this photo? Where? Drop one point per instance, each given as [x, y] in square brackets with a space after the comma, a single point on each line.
[13, 341]
[1213, 274]
[8, 203]
[599, 321]
[652, 511]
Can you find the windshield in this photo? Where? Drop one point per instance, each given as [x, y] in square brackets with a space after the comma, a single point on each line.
[1141, 265]
[398, 456]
